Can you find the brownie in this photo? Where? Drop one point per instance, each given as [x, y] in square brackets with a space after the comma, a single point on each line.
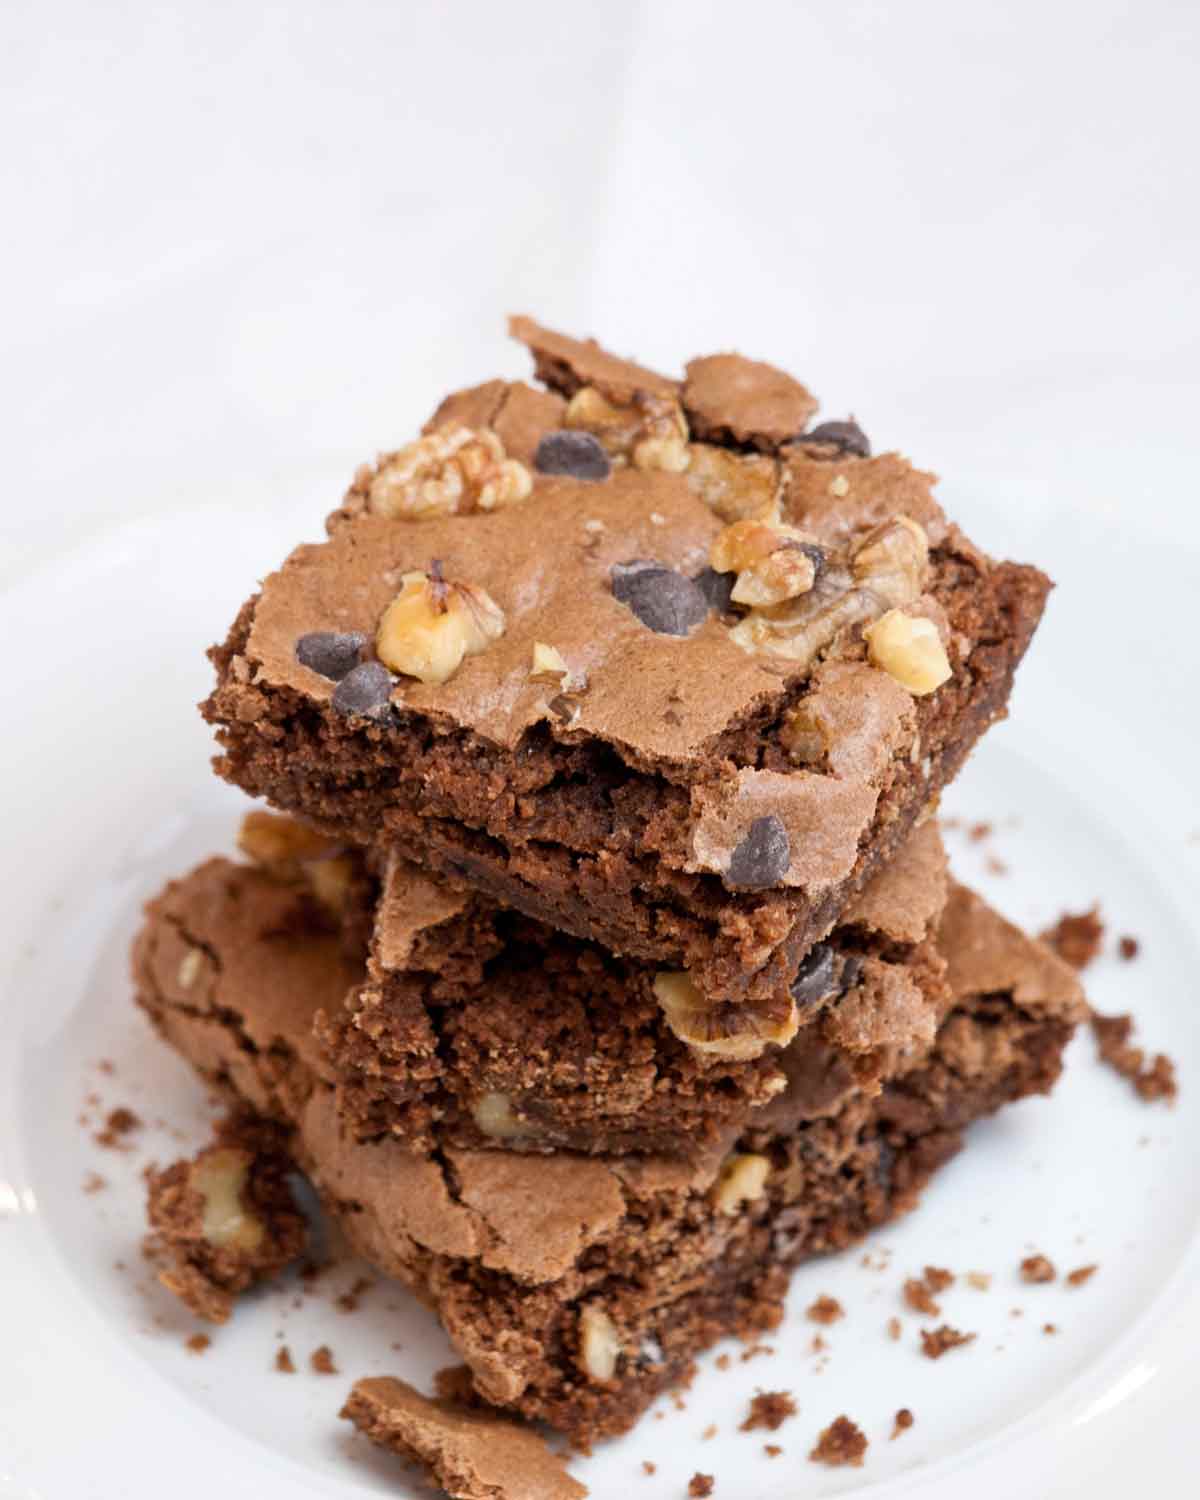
[576, 1288]
[650, 660]
[478, 1026]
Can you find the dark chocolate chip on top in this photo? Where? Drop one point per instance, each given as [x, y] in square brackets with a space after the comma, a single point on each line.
[333, 653]
[578, 455]
[847, 437]
[365, 692]
[761, 859]
[662, 599]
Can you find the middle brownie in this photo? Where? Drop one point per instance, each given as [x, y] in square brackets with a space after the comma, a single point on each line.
[491, 1029]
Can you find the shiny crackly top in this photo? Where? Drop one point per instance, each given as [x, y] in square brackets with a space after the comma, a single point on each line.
[542, 560]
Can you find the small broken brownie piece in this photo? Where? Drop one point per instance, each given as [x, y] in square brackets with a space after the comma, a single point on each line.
[226, 1219]
[1076, 937]
[842, 1442]
[472, 1454]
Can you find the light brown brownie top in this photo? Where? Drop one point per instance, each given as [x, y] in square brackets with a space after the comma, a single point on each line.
[680, 570]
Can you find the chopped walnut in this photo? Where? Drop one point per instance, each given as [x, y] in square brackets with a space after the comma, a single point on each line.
[451, 471]
[650, 432]
[742, 1179]
[741, 1032]
[495, 1117]
[909, 649]
[291, 850]
[434, 623]
[735, 486]
[599, 1344]
[773, 562]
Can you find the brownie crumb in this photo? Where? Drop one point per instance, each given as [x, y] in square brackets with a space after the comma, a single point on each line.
[894, 1329]
[918, 1296]
[723, 1361]
[1049, 1327]
[772, 1450]
[1081, 1275]
[995, 866]
[1129, 947]
[769, 1409]
[904, 1420]
[94, 1183]
[938, 1279]
[700, 1485]
[1151, 1081]
[284, 1362]
[979, 1281]
[648, 1467]
[120, 1123]
[349, 1301]
[978, 832]
[754, 1351]
[825, 1310]
[938, 1341]
[709, 1433]
[198, 1343]
[1037, 1269]
[1076, 937]
[840, 1444]
[322, 1361]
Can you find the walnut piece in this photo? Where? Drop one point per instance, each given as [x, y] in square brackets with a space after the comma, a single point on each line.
[650, 432]
[493, 1114]
[736, 486]
[738, 1032]
[909, 649]
[274, 839]
[433, 624]
[773, 562]
[452, 470]
[220, 1177]
[599, 1344]
[743, 1178]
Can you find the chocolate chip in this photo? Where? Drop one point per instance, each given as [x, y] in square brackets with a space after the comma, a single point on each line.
[847, 437]
[816, 978]
[333, 653]
[762, 858]
[578, 455]
[852, 967]
[716, 588]
[365, 692]
[663, 600]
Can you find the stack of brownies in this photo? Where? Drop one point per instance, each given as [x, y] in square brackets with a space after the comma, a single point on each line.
[605, 964]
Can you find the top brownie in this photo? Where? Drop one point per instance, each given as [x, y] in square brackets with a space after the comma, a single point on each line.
[655, 661]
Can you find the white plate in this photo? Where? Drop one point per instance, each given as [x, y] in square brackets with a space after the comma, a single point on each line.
[107, 794]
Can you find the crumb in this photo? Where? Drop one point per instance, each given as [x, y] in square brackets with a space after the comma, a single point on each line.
[1016, 1312]
[1076, 938]
[284, 1362]
[978, 832]
[904, 1420]
[648, 1467]
[769, 1409]
[1156, 1081]
[840, 1443]
[1081, 1275]
[722, 1361]
[198, 1343]
[322, 1361]
[94, 1183]
[772, 1450]
[893, 1328]
[754, 1351]
[120, 1123]
[919, 1298]
[825, 1310]
[700, 1485]
[818, 1344]
[979, 1281]
[348, 1302]
[709, 1432]
[106, 1067]
[1036, 1270]
[1049, 1327]
[995, 866]
[938, 1341]
[1129, 947]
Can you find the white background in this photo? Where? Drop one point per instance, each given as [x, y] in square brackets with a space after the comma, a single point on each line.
[244, 246]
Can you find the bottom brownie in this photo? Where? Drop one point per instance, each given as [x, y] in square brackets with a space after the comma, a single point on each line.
[578, 1288]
